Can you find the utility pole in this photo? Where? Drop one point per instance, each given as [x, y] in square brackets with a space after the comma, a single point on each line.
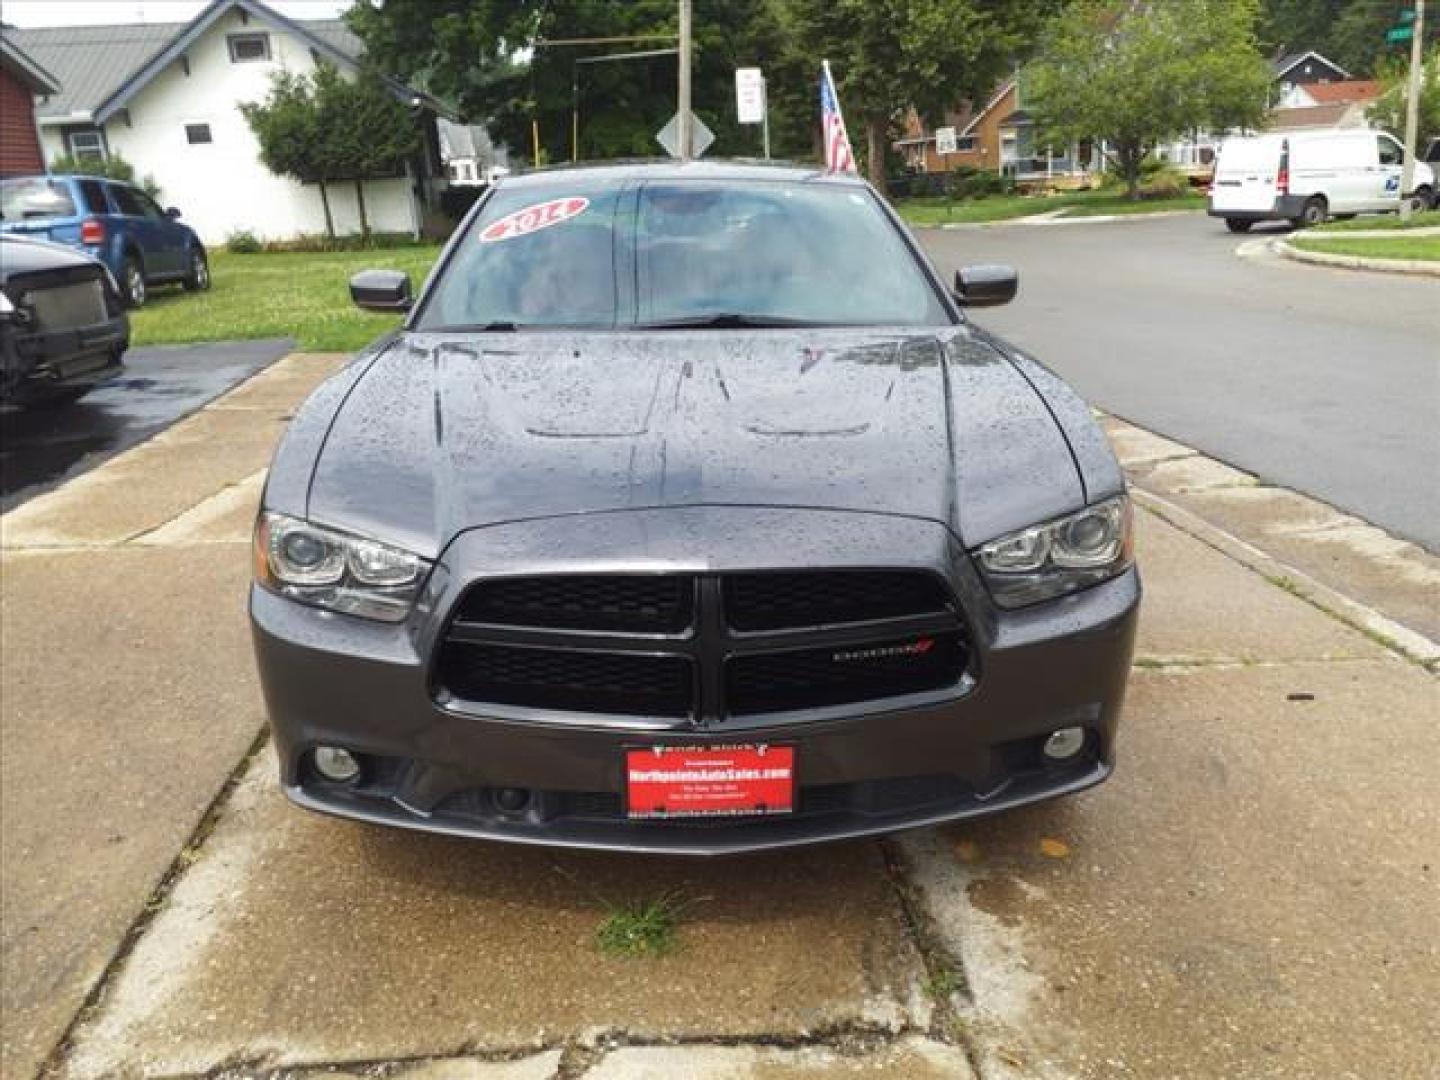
[1412, 108]
[685, 127]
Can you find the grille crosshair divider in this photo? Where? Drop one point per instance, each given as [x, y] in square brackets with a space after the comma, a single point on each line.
[710, 644]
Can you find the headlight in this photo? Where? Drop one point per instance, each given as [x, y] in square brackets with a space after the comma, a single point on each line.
[1060, 556]
[331, 570]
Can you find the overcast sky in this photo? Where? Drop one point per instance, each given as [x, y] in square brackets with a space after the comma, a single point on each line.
[97, 12]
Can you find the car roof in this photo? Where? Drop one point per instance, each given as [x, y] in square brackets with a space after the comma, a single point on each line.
[720, 169]
[72, 176]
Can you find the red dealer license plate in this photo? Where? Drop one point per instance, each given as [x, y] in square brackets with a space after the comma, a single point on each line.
[709, 781]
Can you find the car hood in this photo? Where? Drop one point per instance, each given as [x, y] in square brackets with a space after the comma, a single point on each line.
[21, 255]
[447, 433]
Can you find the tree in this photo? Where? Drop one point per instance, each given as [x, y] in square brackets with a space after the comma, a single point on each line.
[491, 60]
[1137, 73]
[1388, 111]
[327, 128]
[288, 126]
[368, 134]
[892, 55]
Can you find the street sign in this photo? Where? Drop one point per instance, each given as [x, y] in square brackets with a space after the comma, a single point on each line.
[945, 141]
[1399, 34]
[750, 95]
[700, 136]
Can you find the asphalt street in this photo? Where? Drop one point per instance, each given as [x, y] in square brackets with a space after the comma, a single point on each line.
[40, 448]
[1325, 381]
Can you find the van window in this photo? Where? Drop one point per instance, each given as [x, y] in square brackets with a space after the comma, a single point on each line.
[1390, 151]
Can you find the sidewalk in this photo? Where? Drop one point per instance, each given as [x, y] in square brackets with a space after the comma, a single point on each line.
[1254, 893]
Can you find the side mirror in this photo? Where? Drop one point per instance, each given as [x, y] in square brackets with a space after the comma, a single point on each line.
[986, 286]
[381, 290]
[173, 213]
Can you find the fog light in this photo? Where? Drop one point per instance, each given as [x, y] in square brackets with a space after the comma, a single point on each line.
[336, 764]
[512, 800]
[1064, 744]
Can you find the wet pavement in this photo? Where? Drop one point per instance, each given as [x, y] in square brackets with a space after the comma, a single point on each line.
[42, 448]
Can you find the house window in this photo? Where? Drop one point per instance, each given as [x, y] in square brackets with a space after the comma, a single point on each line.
[86, 145]
[248, 48]
[196, 134]
[966, 143]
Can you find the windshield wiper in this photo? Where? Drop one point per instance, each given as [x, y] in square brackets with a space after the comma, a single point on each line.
[724, 320]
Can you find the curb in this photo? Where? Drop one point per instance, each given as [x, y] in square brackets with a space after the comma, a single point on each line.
[1413, 267]
[1410, 644]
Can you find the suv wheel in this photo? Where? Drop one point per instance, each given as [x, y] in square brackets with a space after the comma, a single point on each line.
[197, 277]
[1423, 199]
[1238, 224]
[132, 282]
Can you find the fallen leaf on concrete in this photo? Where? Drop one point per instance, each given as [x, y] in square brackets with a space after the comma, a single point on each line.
[1054, 849]
[967, 851]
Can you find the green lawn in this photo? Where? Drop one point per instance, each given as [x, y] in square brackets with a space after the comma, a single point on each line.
[1426, 248]
[1428, 219]
[936, 211]
[304, 296]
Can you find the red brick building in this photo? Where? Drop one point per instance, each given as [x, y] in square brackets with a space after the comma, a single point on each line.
[20, 80]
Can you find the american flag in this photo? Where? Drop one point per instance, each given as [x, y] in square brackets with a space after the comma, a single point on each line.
[838, 156]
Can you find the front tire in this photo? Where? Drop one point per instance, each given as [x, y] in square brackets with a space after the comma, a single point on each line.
[1238, 225]
[197, 277]
[1423, 199]
[132, 282]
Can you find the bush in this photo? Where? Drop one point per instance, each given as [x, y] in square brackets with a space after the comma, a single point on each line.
[455, 201]
[243, 242]
[971, 183]
[1164, 183]
[113, 167]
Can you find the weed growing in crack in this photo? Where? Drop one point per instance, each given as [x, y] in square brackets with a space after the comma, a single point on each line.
[643, 927]
[942, 984]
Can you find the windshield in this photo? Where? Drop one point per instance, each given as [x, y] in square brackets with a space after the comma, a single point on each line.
[35, 197]
[682, 253]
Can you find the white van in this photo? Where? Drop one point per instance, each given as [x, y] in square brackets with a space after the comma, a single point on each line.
[1306, 176]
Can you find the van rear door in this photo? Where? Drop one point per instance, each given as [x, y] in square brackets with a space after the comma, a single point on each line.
[1246, 174]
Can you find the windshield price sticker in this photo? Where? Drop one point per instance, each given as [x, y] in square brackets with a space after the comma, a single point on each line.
[534, 218]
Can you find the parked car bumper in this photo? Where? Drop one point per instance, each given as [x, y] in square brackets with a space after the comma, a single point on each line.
[334, 680]
[1284, 208]
[41, 363]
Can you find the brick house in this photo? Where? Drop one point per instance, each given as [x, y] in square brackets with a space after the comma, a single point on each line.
[21, 78]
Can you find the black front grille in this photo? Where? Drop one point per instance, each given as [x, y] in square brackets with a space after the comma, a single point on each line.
[641, 604]
[703, 648]
[568, 680]
[838, 675]
[782, 600]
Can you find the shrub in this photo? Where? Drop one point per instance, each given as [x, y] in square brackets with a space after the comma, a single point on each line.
[1164, 184]
[114, 167]
[319, 242]
[455, 201]
[979, 184]
[242, 242]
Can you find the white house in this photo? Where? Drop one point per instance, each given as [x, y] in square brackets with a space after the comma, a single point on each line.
[469, 155]
[166, 97]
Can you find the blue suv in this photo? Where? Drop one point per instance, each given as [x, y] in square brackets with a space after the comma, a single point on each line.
[117, 223]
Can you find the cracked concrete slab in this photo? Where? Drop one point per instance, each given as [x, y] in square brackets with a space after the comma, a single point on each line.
[1135, 446]
[1178, 476]
[129, 695]
[1394, 576]
[1201, 606]
[914, 1058]
[296, 939]
[1254, 893]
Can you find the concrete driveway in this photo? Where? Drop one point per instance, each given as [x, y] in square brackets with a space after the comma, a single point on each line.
[1253, 894]
[1325, 381]
[40, 448]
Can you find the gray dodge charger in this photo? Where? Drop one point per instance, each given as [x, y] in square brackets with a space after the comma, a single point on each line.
[687, 512]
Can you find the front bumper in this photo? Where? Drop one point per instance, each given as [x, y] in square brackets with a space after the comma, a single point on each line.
[336, 680]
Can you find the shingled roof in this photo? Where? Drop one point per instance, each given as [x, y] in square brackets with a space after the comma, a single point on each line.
[100, 67]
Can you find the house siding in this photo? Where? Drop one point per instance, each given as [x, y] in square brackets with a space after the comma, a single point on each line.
[19, 145]
[986, 154]
[222, 187]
